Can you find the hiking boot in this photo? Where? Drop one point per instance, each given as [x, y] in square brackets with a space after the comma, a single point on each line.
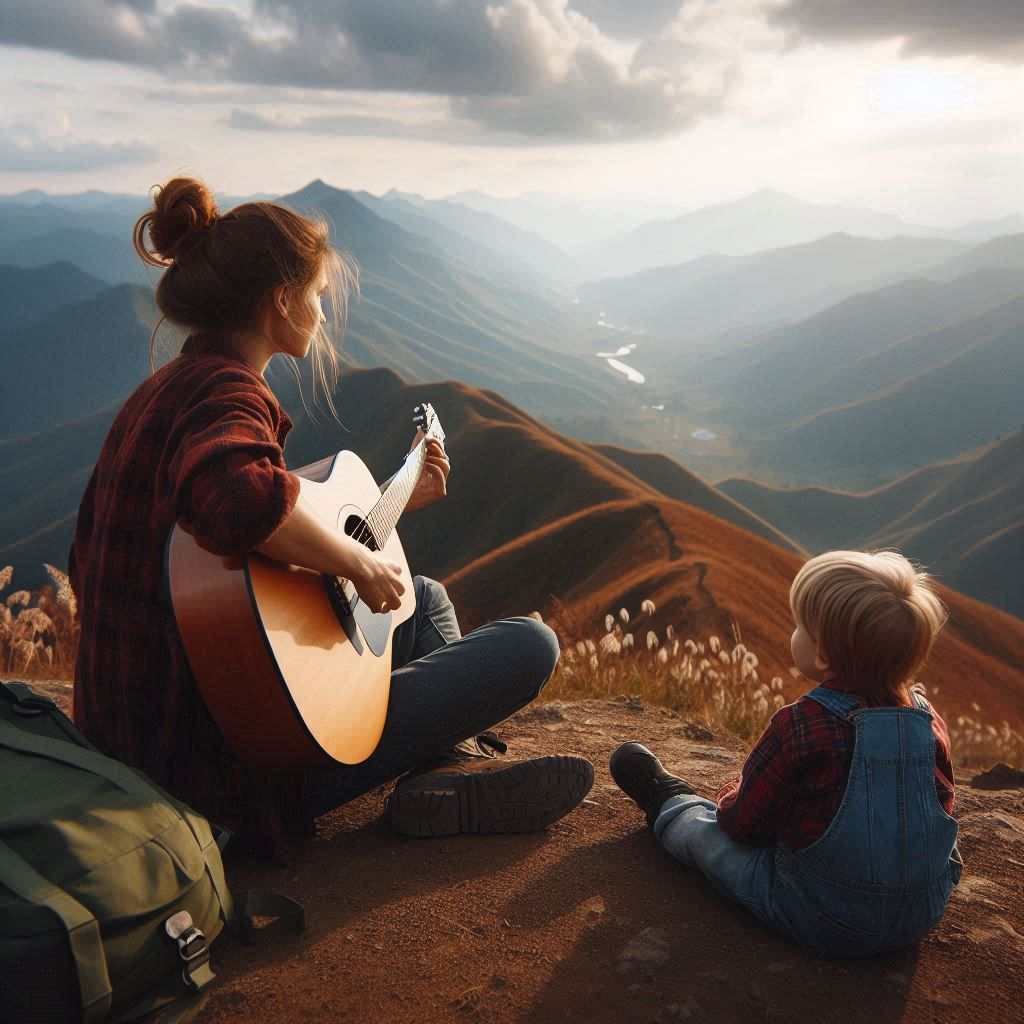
[642, 777]
[481, 796]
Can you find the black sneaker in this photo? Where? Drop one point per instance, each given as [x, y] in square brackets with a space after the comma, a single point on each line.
[642, 777]
[482, 796]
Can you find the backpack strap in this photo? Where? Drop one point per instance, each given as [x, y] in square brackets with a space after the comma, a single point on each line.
[289, 914]
[83, 931]
[114, 772]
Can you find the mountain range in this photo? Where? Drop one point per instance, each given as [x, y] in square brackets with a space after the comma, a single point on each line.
[912, 362]
[537, 521]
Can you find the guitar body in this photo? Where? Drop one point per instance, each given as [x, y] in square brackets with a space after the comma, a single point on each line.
[294, 668]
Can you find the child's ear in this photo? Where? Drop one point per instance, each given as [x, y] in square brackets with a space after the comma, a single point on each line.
[819, 660]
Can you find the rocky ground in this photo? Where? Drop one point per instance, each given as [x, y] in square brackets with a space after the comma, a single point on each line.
[590, 921]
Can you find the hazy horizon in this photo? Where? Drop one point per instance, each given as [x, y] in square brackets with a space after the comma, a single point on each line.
[902, 107]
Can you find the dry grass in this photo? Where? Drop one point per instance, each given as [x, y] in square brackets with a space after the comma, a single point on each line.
[976, 743]
[38, 630]
[714, 683]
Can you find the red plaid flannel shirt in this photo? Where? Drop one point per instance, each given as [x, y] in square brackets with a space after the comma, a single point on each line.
[200, 443]
[793, 781]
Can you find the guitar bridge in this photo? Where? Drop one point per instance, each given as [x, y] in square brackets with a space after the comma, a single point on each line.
[338, 596]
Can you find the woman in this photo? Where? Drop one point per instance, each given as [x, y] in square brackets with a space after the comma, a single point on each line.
[200, 443]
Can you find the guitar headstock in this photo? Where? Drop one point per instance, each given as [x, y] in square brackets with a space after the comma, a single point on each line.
[424, 417]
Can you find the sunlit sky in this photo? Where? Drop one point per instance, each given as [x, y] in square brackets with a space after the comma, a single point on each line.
[909, 106]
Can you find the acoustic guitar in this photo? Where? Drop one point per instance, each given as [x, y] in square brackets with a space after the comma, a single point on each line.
[293, 666]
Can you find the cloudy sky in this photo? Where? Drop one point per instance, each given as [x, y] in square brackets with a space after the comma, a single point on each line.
[910, 106]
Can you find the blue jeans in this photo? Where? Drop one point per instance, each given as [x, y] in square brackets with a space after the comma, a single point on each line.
[445, 688]
[882, 873]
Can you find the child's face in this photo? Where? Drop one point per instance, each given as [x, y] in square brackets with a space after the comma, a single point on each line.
[805, 655]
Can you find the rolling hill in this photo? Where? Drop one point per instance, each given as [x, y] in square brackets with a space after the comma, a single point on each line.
[963, 518]
[766, 219]
[715, 293]
[535, 520]
[778, 367]
[75, 360]
[419, 313]
[962, 402]
[27, 294]
[526, 251]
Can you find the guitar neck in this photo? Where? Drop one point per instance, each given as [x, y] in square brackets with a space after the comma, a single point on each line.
[383, 517]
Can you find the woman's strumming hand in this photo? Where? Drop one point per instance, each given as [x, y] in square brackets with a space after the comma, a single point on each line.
[378, 583]
[433, 482]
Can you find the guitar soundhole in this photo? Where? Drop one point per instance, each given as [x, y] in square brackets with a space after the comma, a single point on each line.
[356, 527]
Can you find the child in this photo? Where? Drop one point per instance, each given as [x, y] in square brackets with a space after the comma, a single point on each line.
[838, 833]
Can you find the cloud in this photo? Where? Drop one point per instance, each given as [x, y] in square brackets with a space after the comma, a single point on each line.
[991, 29]
[628, 19]
[36, 147]
[535, 69]
[331, 124]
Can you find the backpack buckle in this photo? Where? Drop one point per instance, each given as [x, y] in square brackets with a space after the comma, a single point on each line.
[192, 948]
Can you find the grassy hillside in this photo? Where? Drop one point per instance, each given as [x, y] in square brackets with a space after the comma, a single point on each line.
[959, 404]
[776, 369]
[537, 521]
[75, 360]
[961, 518]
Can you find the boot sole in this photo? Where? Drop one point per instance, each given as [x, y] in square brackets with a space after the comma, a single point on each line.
[523, 797]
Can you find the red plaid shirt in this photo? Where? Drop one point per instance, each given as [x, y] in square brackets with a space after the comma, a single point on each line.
[200, 443]
[793, 780]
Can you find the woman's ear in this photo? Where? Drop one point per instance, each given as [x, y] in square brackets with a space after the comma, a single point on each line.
[280, 295]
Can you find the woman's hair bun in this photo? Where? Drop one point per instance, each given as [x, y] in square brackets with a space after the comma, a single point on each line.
[181, 209]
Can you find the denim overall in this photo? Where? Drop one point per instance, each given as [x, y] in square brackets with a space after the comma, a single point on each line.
[882, 873]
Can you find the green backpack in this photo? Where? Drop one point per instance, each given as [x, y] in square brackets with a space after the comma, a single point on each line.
[111, 890]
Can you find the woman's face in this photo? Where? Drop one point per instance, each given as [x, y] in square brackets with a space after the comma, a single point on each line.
[299, 327]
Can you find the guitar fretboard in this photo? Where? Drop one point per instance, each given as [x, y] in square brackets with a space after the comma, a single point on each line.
[384, 516]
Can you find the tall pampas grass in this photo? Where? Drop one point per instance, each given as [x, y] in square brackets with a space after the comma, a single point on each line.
[38, 630]
[712, 680]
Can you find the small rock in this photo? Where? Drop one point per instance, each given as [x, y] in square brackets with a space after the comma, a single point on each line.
[498, 981]
[647, 947]
[684, 1012]
[549, 713]
[693, 731]
[999, 776]
[634, 704]
[897, 979]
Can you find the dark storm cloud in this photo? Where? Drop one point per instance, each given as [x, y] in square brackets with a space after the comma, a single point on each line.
[529, 68]
[992, 29]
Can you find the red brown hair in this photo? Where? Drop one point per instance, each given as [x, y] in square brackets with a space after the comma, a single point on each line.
[220, 269]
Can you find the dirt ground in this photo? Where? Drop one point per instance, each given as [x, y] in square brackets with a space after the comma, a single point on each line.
[590, 921]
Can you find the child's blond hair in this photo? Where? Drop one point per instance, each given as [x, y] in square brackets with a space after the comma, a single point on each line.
[872, 615]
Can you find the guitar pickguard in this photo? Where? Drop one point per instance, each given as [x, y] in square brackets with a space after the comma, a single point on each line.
[375, 627]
